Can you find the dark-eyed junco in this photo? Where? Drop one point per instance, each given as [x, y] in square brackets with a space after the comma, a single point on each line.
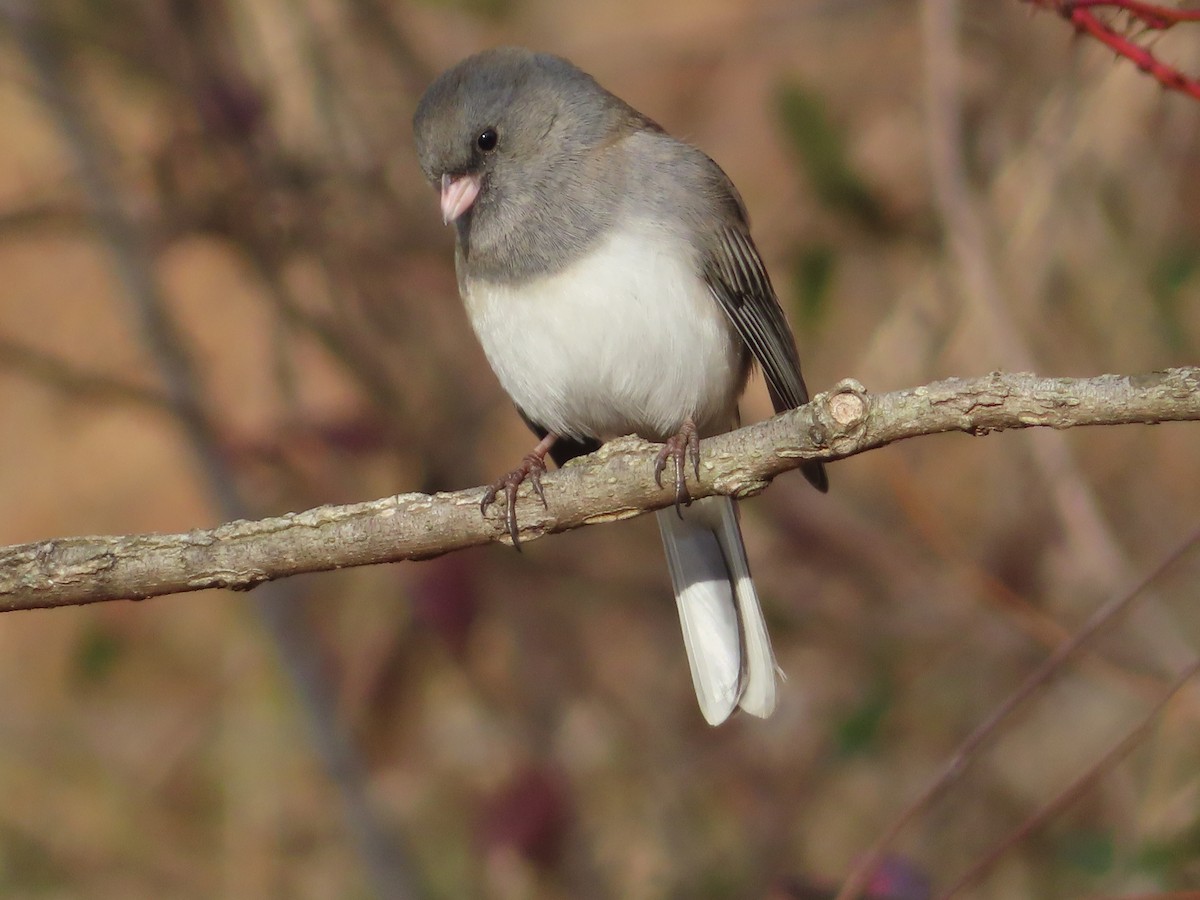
[608, 271]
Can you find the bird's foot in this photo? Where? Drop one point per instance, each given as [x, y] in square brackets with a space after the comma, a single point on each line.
[680, 447]
[531, 468]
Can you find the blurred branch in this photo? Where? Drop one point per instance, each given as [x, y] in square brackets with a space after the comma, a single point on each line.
[385, 858]
[378, 23]
[1148, 16]
[76, 382]
[1126, 745]
[120, 234]
[1099, 557]
[990, 729]
[613, 483]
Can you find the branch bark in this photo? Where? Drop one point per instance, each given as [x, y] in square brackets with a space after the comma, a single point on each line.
[614, 483]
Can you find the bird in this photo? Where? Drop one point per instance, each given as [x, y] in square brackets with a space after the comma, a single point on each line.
[608, 271]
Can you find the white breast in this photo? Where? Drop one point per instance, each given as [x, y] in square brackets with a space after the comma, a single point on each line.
[626, 340]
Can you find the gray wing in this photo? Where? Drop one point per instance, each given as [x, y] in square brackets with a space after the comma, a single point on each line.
[738, 280]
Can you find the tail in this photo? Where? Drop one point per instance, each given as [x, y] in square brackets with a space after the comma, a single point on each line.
[723, 629]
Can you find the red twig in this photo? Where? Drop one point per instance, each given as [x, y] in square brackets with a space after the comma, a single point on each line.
[1152, 15]
[1082, 14]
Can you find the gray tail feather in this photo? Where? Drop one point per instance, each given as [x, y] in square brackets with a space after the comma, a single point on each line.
[728, 649]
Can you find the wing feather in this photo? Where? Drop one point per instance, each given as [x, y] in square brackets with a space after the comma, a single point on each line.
[739, 282]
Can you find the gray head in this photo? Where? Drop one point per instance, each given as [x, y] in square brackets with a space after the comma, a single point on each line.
[507, 135]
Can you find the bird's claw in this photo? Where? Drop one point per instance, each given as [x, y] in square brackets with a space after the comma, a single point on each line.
[680, 447]
[530, 469]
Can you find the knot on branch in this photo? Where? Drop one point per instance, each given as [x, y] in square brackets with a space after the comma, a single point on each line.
[842, 415]
[833, 420]
[847, 404]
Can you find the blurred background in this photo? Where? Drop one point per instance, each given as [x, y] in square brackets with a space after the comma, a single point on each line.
[226, 291]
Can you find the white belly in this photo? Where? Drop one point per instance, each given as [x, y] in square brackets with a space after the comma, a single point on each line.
[627, 340]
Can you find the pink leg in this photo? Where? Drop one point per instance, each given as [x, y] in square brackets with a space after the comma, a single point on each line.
[531, 468]
[680, 447]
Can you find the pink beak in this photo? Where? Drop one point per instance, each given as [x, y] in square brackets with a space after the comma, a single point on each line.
[457, 195]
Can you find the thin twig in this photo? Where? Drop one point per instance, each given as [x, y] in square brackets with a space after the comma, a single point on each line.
[1153, 15]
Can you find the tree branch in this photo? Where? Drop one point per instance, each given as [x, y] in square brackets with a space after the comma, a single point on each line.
[614, 483]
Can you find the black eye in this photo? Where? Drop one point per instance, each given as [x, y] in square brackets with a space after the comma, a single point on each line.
[487, 140]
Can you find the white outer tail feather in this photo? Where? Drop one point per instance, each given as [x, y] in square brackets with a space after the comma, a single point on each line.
[723, 628]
